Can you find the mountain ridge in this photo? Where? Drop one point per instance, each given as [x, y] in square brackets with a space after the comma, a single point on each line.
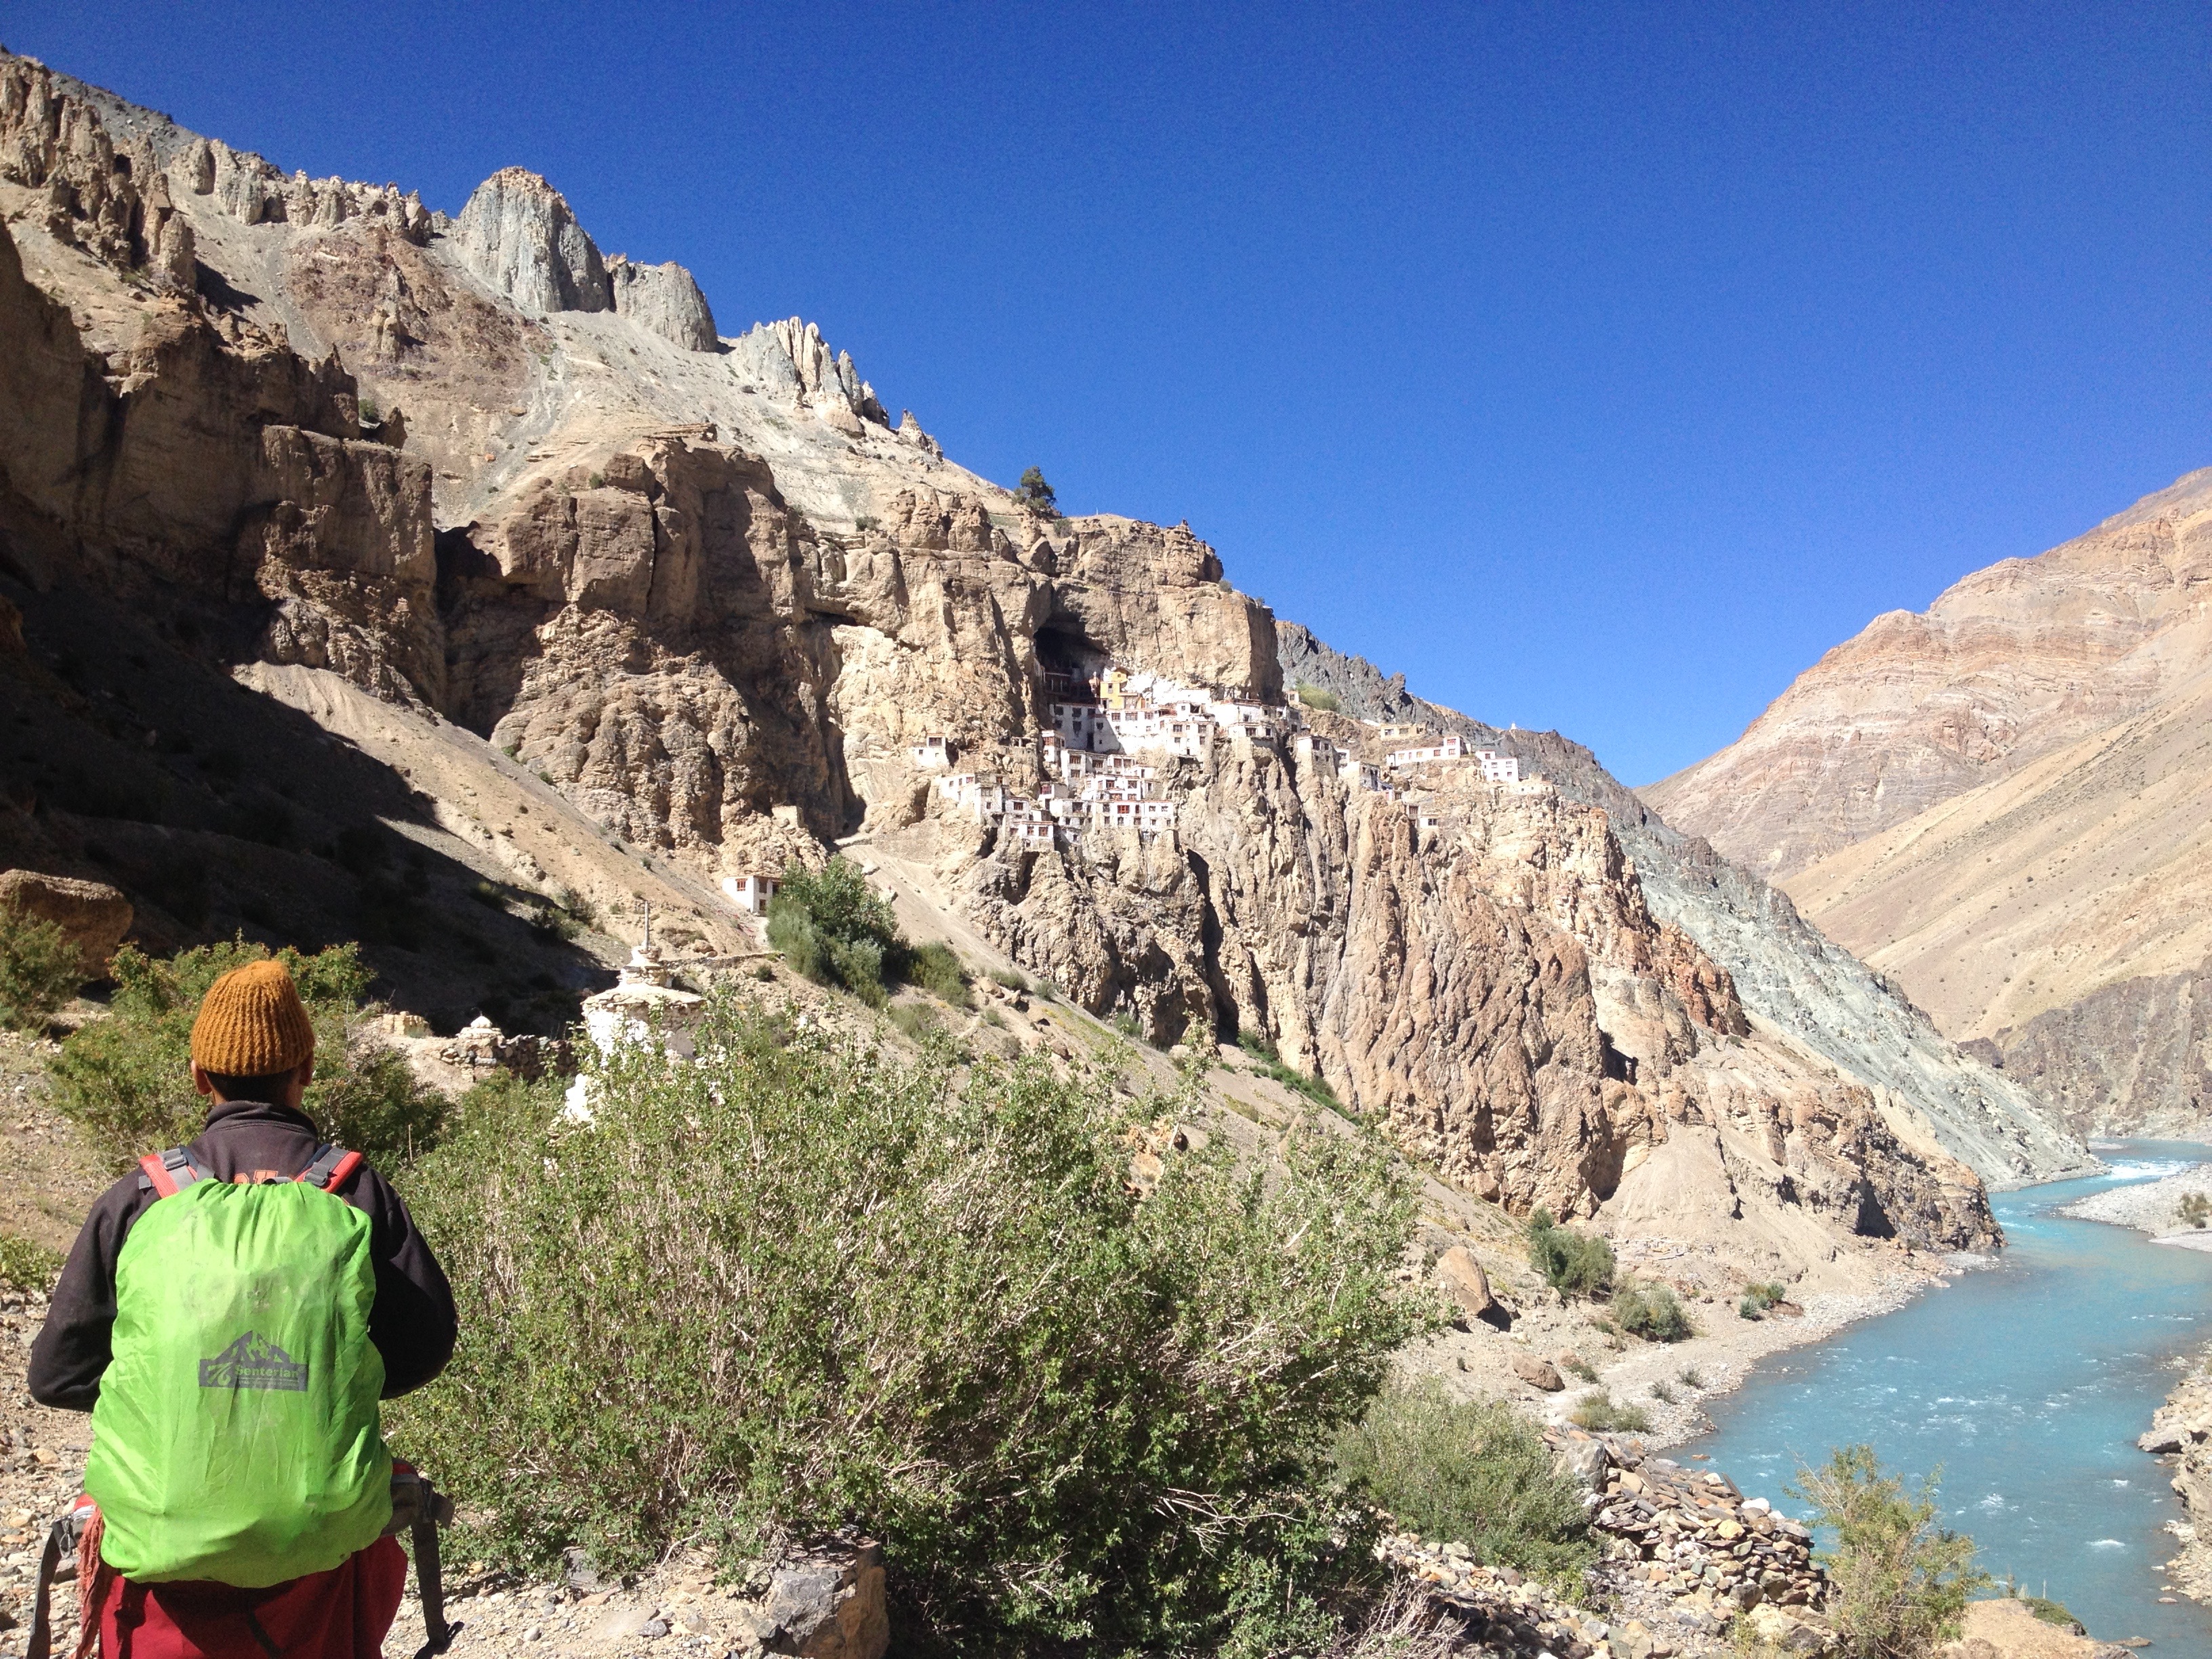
[2000, 802]
[721, 609]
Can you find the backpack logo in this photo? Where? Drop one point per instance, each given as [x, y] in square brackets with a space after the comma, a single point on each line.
[253, 1362]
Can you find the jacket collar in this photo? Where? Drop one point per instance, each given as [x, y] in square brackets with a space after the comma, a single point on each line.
[241, 1112]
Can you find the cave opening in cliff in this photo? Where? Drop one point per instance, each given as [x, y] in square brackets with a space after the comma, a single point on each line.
[1067, 656]
[1872, 1220]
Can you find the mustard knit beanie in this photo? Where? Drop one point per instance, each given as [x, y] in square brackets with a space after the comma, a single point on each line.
[252, 1023]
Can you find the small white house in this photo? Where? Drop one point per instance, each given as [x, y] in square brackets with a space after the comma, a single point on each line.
[932, 754]
[752, 893]
[1498, 768]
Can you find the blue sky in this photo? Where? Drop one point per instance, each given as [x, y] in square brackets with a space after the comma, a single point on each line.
[1598, 367]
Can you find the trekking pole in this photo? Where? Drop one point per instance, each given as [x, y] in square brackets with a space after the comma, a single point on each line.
[57, 1564]
[430, 1510]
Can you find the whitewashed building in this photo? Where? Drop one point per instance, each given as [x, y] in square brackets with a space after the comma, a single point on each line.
[750, 893]
[1449, 749]
[932, 754]
[642, 1008]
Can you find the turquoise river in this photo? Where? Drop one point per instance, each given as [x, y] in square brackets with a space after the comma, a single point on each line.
[2027, 1383]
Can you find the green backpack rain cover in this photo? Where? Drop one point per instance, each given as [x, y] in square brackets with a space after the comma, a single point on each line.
[236, 1438]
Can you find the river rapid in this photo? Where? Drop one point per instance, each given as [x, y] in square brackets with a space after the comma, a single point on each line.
[2026, 1382]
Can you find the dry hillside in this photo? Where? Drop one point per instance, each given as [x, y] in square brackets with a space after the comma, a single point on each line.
[2002, 804]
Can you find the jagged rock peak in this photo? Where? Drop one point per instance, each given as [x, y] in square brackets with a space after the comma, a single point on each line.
[517, 234]
[663, 299]
[111, 200]
[792, 357]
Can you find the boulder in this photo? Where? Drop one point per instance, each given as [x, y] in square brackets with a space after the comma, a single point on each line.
[94, 915]
[2004, 1628]
[1776, 1627]
[1537, 1373]
[827, 1602]
[1463, 1280]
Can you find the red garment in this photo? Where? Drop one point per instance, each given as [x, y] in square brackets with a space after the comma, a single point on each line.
[343, 1613]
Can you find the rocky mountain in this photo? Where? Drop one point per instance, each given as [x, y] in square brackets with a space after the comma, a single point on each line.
[414, 489]
[2003, 803]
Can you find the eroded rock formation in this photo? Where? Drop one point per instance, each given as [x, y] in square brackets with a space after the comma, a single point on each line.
[517, 234]
[714, 607]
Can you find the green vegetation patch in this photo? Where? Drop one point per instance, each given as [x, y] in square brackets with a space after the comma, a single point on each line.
[127, 1079]
[1316, 696]
[27, 1265]
[41, 969]
[829, 924]
[1898, 1583]
[1473, 1472]
[1600, 1411]
[1650, 1311]
[927, 1302]
[1572, 1263]
[1272, 1065]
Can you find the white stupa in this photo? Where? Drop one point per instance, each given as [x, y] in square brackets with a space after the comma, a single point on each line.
[642, 1007]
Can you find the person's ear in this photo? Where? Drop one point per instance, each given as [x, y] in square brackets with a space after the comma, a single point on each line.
[296, 1090]
[201, 1081]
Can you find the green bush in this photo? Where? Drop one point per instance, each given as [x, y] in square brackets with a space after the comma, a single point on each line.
[830, 925]
[1272, 1065]
[923, 1301]
[26, 1265]
[1759, 1298]
[1011, 980]
[1650, 1311]
[41, 969]
[2053, 1612]
[2195, 1209]
[127, 1079]
[1662, 1393]
[1576, 1366]
[1315, 696]
[1898, 1583]
[936, 970]
[1572, 1263]
[915, 1018]
[1473, 1472]
[1599, 1410]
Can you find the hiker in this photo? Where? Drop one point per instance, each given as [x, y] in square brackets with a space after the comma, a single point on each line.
[231, 1328]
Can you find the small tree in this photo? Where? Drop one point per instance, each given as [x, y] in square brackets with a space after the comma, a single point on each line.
[833, 928]
[2196, 1209]
[1572, 1263]
[41, 967]
[1033, 491]
[1899, 1582]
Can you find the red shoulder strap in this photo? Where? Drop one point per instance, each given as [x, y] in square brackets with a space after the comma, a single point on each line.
[165, 1172]
[333, 1168]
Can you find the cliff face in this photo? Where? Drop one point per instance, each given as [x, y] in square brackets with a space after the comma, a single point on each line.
[704, 591]
[2003, 804]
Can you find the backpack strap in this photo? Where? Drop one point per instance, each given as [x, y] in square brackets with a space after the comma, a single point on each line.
[163, 1173]
[333, 1168]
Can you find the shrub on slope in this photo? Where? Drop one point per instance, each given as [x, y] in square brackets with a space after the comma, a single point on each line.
[127, 1079]
[798, 1285]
